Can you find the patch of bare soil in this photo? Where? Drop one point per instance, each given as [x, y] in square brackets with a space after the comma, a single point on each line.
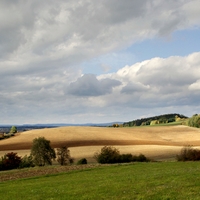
[40, 171]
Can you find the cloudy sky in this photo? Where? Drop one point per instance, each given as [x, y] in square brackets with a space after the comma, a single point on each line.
[98, 61]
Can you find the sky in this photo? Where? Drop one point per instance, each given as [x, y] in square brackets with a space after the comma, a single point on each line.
[89, 61]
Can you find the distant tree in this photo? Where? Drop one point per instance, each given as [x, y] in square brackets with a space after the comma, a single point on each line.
[115, 125]
[41, 152]
[154, 122]
[194, 121]
[63, 156]
[13, 129]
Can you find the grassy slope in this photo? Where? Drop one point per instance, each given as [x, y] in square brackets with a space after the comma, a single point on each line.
[167, 180]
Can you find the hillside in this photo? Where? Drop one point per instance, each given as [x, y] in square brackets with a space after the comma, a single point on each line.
[165, 118]
[159, 142]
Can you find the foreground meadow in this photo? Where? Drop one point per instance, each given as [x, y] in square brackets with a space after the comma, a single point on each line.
[158, 180]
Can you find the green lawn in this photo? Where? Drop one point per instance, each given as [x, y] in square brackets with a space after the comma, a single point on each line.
[160, 180]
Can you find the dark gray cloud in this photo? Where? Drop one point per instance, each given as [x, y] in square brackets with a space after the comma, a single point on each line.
[131, 88]
[89, 85]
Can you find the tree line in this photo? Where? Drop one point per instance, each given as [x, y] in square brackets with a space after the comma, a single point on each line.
[194, 121]
[160, 119]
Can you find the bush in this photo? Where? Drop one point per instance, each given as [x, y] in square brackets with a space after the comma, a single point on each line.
[141, 158]
[188, 154]
[82, 161]
[125, 158]
[27, 161]
[10, 161]
[112, 155]
[107, 155]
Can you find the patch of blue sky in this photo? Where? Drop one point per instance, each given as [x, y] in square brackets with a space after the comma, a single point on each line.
[179, 43]
[109, 63]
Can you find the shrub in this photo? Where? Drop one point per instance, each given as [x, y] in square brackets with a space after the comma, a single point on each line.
[63, 156]
[112, 155]
[107, 155]
[82, 161]
[142, 158]
[189, 154]
[42, 152]
[125, 158]
[10, 161]
[27, 161]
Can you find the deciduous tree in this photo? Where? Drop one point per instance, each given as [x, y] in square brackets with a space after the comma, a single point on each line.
[42, 152]
[63, 156]
[13, 129]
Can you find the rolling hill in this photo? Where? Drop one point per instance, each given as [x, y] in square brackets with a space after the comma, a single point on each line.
[156, 142]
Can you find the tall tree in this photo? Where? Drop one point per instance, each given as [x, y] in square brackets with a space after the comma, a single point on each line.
[63, 156]
[42, 152]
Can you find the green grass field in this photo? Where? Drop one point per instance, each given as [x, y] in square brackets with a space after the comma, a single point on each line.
[160, 180]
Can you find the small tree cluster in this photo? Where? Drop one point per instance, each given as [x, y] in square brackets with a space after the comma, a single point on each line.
[189, 154]
[112, 155]
[42, 153]
[154, 122]
[116, 125]
[13, 161]
[194, 121]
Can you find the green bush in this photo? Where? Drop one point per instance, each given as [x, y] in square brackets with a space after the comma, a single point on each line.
[112, 155]
[82, 161]
[107, 155]
[125, 158]
[141, 158]
[27, 161]
[188, 154]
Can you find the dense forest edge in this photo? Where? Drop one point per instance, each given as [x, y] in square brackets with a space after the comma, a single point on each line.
[160, 119]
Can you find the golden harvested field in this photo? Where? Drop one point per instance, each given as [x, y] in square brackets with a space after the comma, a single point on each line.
[159, 142]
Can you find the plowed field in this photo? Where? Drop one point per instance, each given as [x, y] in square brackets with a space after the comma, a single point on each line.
[155, 142]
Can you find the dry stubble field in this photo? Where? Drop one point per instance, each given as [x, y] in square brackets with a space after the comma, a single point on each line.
[159, 143]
